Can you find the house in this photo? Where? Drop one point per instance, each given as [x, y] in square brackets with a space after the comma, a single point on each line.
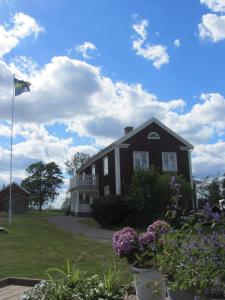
[110, 171]
[20, 198]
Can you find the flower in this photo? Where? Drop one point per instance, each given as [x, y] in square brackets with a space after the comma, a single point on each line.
[124, 241]
[159, 227]
[146, 239]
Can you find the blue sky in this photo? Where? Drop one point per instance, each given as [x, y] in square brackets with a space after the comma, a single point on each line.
[98, 66]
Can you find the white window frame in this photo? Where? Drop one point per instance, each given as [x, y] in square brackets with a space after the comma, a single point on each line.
[93, 171]
[106, 190]
[169, 169]
[147, 159]
[153, 136]
[105, 165]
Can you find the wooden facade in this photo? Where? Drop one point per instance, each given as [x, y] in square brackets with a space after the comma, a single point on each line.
[153, 139]
[19, 199]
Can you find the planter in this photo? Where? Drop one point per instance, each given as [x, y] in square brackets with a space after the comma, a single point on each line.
[149, 284]
[187, 295]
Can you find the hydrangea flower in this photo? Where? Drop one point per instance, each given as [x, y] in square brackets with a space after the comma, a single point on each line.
[159, 227]
[146, 239]
[124, 241]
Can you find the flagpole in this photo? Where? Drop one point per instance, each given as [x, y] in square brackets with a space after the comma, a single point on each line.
[11, 154]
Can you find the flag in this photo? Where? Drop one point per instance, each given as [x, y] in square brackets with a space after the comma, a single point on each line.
[21, 86]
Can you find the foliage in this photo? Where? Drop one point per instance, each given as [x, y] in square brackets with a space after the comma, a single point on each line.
[150, 194]
[211, 190]
[179, 206]
[73, 285]
[140, 250]
[214, 192]
[196, 219]
[76, 162]
[42, 183]
[194, 263]
[109, 210]
[66, 205]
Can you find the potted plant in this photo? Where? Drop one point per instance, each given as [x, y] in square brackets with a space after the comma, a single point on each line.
[140, 251]
[194, 266]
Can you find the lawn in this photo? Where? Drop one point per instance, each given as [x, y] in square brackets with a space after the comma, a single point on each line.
[33, 245]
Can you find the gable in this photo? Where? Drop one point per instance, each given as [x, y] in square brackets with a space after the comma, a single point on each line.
[147, 126]
[165, 140]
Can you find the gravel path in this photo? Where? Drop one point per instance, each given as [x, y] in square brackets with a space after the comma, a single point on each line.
[73, 225]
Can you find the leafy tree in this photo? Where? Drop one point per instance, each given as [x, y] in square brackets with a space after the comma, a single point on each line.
[42, 182]
[76, 162]
[150, 194]
[66, 203]
[223, 187]
[214, 191]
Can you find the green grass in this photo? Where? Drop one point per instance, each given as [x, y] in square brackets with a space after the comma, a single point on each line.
[33, 245]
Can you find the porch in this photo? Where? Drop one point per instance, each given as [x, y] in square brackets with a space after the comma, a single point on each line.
[83, 189]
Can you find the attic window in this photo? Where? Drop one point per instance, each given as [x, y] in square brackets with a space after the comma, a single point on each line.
[153, 136]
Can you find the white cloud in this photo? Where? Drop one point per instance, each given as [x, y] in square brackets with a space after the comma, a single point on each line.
[23, 26]
[209, 158]
[177, 43]
[214, 5]
[155, 53]
[212, 27]
[84, 48]
[78, 95]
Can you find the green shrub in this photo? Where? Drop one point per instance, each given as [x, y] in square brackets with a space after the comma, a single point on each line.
[109, 210]
[149, 196]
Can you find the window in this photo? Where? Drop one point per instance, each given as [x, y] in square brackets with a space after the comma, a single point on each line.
[169, 161]
[84, 199]
[105, 165]
[141, 160]
[83, 175]
[106, 190]
[153, 136]
[93, 170]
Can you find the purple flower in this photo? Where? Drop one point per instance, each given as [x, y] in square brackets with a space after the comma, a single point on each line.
[216, 216]
[124, 241]
[146, 239]
[159, 227]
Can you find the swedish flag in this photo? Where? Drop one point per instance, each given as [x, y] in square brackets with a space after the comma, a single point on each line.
[21, 86]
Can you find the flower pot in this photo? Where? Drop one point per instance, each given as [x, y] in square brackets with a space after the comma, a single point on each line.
[149, 284]
[184, 295]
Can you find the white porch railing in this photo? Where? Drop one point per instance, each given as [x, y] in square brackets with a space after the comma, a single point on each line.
[87, 181]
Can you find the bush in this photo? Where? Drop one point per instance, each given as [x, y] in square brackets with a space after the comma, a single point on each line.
[110, 210]
[150, 196]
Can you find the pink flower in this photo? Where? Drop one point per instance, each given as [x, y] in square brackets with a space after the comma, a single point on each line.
[159, 227]
[124, 241]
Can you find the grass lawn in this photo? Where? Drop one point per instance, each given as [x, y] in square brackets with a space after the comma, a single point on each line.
[33, 245]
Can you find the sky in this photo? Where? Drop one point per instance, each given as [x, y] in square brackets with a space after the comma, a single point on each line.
[98, 66]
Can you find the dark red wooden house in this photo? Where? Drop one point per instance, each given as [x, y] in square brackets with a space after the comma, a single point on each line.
[20, 198]
[110, 170]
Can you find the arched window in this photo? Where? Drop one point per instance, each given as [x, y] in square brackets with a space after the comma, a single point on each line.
[153, 136]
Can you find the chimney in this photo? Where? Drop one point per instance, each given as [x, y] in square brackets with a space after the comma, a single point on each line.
[128, 129]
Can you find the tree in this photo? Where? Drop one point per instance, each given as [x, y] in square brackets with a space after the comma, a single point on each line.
[214, 191]
[150, 195]
[76, 162]
[42, 183]
[223, 187]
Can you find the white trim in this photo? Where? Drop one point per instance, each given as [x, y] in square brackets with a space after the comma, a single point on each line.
[120, 141]
[105, 165]
[190, 167]
[93, 170]
[155, 137]
[147, 123]
[146, 156]
[163, 162]
[117, 170]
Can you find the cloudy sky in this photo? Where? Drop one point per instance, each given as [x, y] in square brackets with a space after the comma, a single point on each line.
[98, 66]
